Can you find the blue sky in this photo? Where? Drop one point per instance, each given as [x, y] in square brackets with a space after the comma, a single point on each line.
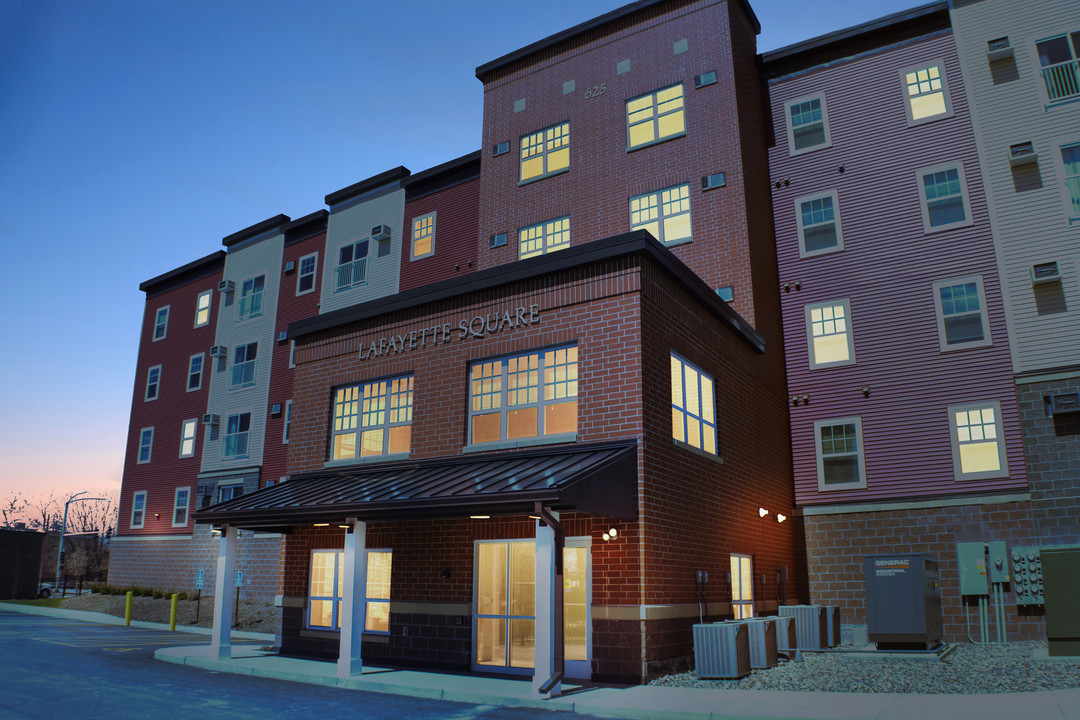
[134, 135]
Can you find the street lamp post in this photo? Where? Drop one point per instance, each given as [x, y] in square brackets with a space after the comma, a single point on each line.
[63, 530]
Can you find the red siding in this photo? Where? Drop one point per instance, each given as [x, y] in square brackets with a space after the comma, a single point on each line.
[456, 217]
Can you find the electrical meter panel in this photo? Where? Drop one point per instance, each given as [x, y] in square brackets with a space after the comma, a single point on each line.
[1027, 575]
[998, 561]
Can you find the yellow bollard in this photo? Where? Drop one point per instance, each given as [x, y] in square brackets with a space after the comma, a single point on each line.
[127, 609]
[172, 612]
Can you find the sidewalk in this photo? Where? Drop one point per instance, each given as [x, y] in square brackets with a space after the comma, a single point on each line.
[646, 702]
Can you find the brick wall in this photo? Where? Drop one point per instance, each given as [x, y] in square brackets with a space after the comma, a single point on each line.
[1052, 446]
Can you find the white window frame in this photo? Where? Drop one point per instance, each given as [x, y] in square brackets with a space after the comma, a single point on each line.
[208, 295]
[225, 435]
[186, 437]
[337, 583]
[161, 320]
[704, 414]
[247, 313]
[943, 340]
[849, 332]
[905, 88]
[820, 456]
[827, 143]
[802, 227]
[292, 354]
[137, 511]
[287, 423]
[156, 384]
[956, 442]
[178, 508]
[1072, 207]
[417, 233]
[252, 363]
[924, 205]
[149, 445]
[229, 488]
[549, 236]
[544, 143]
[742, 598]
[369, 399]
[662, 208]
[202, 371]
[358, 267]
[1057, 68]
[314, 274]
[655, 115]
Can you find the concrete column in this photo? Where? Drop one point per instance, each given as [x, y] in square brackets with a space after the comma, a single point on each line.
[544, 660]
[221, 636]
[354, 601]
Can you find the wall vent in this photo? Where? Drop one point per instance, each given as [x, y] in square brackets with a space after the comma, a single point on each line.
[1022, 154]
[998, 49]
[1042, 273]
[1064, 403]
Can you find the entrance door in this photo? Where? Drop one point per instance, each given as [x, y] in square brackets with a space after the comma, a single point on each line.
[505, 606]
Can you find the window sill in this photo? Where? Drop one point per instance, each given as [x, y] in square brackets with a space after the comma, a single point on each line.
[528, 442]
[838, 487]
[367, 460]
[966, 346]
[792, 152]
[538, 178]
[653, 143]
[830, 366]
[425, 256]
[930, 229]
[677, 243]
[698, 451]
[804, 254]
[350, 287]
[922, 121]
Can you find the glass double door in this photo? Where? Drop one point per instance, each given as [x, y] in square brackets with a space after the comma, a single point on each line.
[505, 617]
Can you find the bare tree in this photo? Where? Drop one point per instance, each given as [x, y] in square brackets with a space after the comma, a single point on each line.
[45, 510]
[95, 520]
[13, 509]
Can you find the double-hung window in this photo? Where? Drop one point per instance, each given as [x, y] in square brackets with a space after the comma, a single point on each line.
[138, 509]
[655, 116]
[202, 308]
[423, 236]
[251, 297]
[544, 238]
[978, 444]
[161, 323]
[926, 93]
[180, 506]
[243, 368]
[665, 214]
[829, 338]
[352, 266]
[807, 124]
[693, 406]
[373, 419]
[961, 313]
[840, 462]
[546, 152]
[1070, 165]
[818, 221]
[1060, 60]
[234, 444]
[944, 197]
[153, 383]
[194, 373]
[305, 278]
[327, 590]
[187, 438]
[524, 399]
[146, 445]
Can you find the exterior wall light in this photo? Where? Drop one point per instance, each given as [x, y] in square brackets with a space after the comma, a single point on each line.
[762, 512]
[479, 517]
[322, 524]
[780, 518]
[611, 534]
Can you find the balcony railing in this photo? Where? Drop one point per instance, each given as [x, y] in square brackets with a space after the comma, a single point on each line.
[243, 374]
[1073, 185]
[251, 305]
[350, 274]
[1062, 81]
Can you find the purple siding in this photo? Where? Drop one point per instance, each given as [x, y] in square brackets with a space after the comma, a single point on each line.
[886, 271]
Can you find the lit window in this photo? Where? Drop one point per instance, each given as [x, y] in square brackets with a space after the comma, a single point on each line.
[978, 444]
[180, 507]
[944, 202]
[235, 442]
[161, 323]
[840, 462]
[807, 124]
[288, 423]
[665, 214]
[818, 220]
[546, 152]
[925, 93]
[524, 398]
[251, 295]
[828, 334]
[138, 509]
[1060, 70]
[327, 589]
[961, 316]
[305, 279]
[153, 382]
[187, 438]
[352, 266]
[423, 236]
[544, 238]
[1070, 161]
[243, 369]
[379, 412]
[202, 308]
[656, 116]
[146, 445]
[742, 587]
[693, 406]
[195, 368]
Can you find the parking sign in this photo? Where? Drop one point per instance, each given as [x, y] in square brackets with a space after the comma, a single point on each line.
[239, 578]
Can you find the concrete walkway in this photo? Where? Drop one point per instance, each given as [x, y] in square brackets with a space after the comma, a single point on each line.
[659, 703]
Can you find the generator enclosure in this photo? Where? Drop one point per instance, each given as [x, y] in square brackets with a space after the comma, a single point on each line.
[1061, 586]
[903, 600]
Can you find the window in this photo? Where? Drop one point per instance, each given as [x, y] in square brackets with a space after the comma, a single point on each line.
[146, 445]
[352, 266]
[381, 411]
[1060, 71]
[925, 93]
[818, 220]
[693, 407]
[229, 491]
[237, 430]
[153, 382]
[161, 323]
[202, 308]
[194, 372]
[977, 443]
[829, 339]
[327, 589]
[180, 507]
[544, 238]
[742, 587]
[545, 153]
[187, 438]
[138, 509]
[840, 463]
[243, 369]
[944, 202]
[524, 398]
[656, 116]
[665, 214]
[807, 124]
[288, 422]
[423, 236]
[251, 294]
[961, 318]
[1070, 162]
[305, 279]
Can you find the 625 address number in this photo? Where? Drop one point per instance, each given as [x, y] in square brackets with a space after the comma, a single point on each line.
[596, 91]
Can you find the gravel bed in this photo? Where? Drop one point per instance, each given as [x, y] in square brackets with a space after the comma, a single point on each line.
[966, 670]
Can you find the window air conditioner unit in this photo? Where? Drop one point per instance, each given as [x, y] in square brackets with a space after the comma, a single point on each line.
[1022, 154]
[380, 232]
[998, 49]
[282, 335]
[713, 181]
[219, 351]
[200, 490]
[290, 266]
[226, 286]
[211, 419]
[275, 409]
[1064, 403]
[1042, 273]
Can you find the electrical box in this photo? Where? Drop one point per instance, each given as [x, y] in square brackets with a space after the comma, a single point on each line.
[971, 561]
[903, 600]
[1027, 575]
[1061, 572]
[997, 562]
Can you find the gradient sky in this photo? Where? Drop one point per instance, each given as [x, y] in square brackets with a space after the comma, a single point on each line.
[134, 135]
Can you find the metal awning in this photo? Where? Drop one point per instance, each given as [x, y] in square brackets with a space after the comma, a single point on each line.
[599, 479]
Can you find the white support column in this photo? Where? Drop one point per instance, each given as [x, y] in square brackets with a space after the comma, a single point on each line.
[354, 601]
[221, 637]
[544, 629]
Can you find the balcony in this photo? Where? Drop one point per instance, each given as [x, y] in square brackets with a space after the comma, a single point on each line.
[1062, 80]
[350, 274]
[242, 374]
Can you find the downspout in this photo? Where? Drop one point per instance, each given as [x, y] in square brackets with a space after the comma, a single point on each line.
[557, 605]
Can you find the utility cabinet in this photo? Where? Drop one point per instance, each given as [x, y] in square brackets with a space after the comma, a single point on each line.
[903, 600]
[1061, 590]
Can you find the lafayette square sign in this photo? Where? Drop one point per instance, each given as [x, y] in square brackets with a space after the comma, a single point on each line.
[478, 326]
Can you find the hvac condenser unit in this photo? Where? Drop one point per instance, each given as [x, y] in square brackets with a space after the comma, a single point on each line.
[786, 640]
[811, 625]
[903, 600]
[721, 650]
[762, 641]
[832, 621]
